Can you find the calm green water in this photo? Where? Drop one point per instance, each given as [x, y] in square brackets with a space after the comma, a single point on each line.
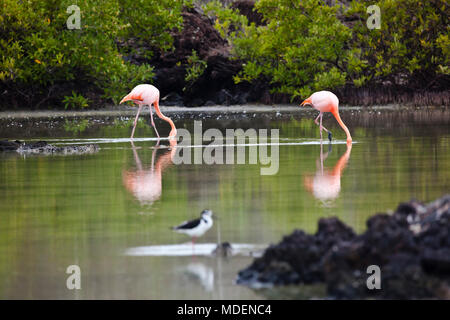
[88, 210]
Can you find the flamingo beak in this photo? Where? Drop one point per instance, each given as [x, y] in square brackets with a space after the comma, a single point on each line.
[126, 98]
[307, 101]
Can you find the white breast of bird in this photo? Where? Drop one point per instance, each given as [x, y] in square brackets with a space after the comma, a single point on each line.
[205, 224]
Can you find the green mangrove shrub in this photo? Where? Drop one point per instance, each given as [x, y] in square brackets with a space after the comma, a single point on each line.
[148, 23]
[75, 101]
[194, 68]
[43, 61]
[410, 48]
[311, 45]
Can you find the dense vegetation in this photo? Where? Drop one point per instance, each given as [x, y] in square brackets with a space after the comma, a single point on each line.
[298, 47]
[42, 61]
[304, 46]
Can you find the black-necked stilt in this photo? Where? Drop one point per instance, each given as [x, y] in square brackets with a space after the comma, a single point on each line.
[196, 228]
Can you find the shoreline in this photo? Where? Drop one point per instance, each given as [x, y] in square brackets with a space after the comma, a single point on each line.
[174, 110]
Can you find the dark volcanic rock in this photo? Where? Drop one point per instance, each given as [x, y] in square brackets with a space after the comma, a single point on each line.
[247, 8]
[172, 99]
[6, 145]
[42, 147]
[223, 97]
[200, 35]
[169, 79]
[411, 247]
[298, 257]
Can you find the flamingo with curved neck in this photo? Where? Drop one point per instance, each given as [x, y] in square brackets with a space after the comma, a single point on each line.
[326, 101]
[146, 94]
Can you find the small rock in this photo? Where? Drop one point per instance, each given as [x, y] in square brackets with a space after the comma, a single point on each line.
[43, 148]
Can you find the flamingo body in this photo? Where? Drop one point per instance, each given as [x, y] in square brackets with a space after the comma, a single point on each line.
[326, 186]
[326, 101]
[143, 94]
[146, 94]
[146, 186]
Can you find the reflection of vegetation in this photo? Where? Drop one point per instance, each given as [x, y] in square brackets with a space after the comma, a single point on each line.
[297, 128]
[119, 124]
[76, 126]
[122, 128]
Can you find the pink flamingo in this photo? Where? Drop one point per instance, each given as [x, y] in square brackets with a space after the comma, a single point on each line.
[146, 94]
[326, 101]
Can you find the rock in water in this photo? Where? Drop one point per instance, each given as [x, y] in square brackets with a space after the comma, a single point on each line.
[42, 147]
[6, 145]
[223, 249]
[297, 258]
[411, 247]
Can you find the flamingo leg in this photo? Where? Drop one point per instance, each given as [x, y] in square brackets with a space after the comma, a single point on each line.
[318, 116]
[135, 121]
[320, 124]
[152, 122]
[322, 127]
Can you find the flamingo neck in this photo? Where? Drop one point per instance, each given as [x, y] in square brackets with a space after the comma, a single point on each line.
[172, 125]
[342, 163]
[158, 112]
[342, 124]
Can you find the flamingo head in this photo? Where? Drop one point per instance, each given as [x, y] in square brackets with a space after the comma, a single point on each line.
[126, 98]
[132, 97]
[306, 102]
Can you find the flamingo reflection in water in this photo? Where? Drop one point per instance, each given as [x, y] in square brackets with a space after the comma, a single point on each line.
[325, 184]
[145, 184]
